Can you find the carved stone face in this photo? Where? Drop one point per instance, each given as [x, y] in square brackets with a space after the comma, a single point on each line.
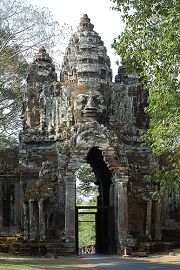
[88, 106]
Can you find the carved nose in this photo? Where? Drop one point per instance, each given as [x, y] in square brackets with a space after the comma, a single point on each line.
[90, 109]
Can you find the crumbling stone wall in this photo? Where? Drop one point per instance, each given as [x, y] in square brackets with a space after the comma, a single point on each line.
[9, 192]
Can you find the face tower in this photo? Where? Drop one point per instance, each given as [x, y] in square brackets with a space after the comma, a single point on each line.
[86, 68]
[84, 118]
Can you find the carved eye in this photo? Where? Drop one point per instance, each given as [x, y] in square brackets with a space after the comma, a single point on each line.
[81, 99]
[98, 99]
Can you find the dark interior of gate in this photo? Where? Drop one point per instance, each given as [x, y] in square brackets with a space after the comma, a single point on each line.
[105, 212]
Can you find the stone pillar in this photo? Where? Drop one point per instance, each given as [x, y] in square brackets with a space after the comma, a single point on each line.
[21, 197]
[111, 195]
[61, 205]
[70, 203]
[17, 205]
[57, 116]
[1, 205]
[42, 120]
[26, 221]
[32, 221]
[121, 211]
[148, 219]
[157, 225]
[42, 226]
[164, 210]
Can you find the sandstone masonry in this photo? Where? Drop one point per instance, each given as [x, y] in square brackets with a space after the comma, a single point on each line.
[83, 118]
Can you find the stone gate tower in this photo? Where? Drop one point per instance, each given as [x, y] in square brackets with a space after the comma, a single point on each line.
[85, 118]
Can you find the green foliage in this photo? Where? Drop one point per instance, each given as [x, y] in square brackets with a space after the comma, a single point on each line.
[150, 45]
[85, 188]
[14, 262]
[86, 194]
[87, 230]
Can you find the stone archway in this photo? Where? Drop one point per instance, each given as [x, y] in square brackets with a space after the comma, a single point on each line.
[94, 144]
[105, 225]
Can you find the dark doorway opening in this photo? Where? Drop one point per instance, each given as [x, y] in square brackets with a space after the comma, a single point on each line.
[104, 216]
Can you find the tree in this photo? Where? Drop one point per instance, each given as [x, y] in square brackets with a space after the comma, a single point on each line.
[150, 45]
[86, 194]
[87, 230]
[85, 185]
[12, 71]
[23, 29]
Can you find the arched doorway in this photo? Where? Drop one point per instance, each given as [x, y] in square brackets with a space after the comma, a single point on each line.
[104, 217]
[86, 209]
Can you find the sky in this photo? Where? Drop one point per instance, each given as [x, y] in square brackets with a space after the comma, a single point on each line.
[106, 21]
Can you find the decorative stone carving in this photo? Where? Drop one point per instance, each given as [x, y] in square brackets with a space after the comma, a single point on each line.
[149, 220]
[42, 226]
[26, 221]
[83, 118]
[88, 106]
[121, 210]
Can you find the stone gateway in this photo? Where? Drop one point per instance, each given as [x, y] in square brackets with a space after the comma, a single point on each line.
[83, 118]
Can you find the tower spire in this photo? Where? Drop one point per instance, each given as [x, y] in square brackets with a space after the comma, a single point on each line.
[85, 24]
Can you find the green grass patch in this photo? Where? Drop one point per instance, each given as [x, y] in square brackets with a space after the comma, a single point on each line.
[37, 263]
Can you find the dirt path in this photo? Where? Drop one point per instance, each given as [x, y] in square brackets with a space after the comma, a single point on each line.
[169, 258]
[155, 262]
[166, 261]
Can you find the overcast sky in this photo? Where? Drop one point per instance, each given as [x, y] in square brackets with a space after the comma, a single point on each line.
[106, 21]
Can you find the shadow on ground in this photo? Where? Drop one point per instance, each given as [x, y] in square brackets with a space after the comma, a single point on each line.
[93, 262]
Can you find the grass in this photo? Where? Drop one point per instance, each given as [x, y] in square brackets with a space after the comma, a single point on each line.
[38, 263]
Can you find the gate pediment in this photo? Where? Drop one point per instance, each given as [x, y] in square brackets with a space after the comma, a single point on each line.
[90, 135]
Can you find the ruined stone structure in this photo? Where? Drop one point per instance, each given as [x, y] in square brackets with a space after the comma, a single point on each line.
[84, 118]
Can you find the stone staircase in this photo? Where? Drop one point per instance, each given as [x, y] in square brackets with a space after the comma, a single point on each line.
[15, 245]
[10, 243]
